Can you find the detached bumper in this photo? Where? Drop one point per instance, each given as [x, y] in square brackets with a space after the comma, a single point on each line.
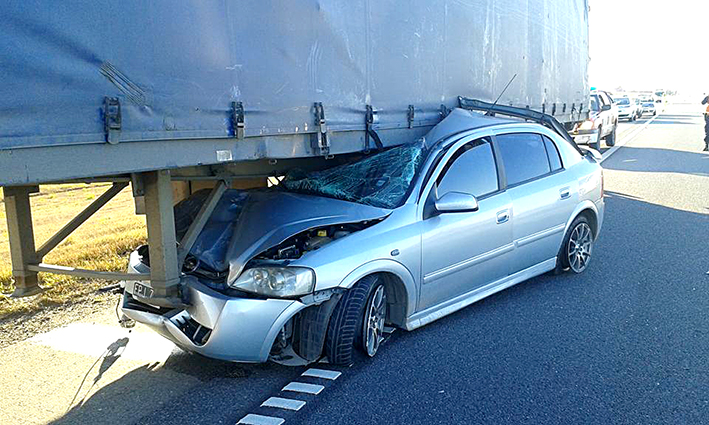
[215, 325]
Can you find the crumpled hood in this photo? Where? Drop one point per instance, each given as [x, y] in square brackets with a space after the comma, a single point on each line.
[270, 217]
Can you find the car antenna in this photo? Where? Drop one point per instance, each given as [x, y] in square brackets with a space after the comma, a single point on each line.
[501, 93]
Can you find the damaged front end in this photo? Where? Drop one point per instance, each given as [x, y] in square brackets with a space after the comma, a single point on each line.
[270, 307]
[237, 328]
[248, 284]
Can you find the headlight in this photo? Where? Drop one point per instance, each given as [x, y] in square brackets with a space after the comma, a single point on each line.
[276, 281]
[587, 125]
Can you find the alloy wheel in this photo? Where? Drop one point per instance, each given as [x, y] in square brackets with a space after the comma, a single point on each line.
[374, 321]
[580, 247]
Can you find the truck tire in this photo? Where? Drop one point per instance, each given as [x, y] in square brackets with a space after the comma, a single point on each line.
[597, 144]
[350, 328]
[610, 139]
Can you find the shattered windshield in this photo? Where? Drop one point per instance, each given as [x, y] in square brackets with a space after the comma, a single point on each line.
[381, 180]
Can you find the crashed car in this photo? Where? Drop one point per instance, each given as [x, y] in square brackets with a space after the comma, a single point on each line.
[326, 261]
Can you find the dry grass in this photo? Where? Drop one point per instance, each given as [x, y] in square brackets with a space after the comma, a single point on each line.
[101, 243]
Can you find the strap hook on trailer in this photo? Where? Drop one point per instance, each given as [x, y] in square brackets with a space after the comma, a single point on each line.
[322, 140]
[369, 131]
[112, 119]
[410, 116]
[237, 119]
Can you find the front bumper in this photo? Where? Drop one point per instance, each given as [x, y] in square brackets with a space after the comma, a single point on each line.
[216, 325]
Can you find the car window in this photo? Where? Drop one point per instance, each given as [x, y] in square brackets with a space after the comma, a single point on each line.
[552, 154]
[622, 101]
[594, 103]
[471, 170]
[524, 156]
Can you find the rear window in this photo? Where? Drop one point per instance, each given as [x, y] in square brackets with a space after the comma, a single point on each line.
[524, 156]
[552, 154]
[622, 101]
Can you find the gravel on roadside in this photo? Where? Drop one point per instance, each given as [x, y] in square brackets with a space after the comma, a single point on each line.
[21, 326]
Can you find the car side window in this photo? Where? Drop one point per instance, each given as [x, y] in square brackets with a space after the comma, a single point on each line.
[552, 154]
[470, 170]
[524, 156]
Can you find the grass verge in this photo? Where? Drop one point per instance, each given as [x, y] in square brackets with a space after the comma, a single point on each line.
[101, 243]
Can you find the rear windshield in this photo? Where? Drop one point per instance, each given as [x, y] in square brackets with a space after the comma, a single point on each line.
[622, 101]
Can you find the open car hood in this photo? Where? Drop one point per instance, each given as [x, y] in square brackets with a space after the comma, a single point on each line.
[270, 217]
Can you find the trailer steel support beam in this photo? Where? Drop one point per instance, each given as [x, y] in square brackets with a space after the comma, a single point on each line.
[79, 219]
[162, 241]
[88, 274]
[22, 247]
[200, 220]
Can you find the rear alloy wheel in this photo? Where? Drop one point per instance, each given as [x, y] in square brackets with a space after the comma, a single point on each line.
[357, 323]
[579, 246]
[576, 250]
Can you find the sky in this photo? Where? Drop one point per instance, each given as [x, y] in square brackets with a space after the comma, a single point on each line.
[649, 44]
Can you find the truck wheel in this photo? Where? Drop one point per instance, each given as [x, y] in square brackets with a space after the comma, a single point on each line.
[597, 143]
[357, 321]
[610, 139]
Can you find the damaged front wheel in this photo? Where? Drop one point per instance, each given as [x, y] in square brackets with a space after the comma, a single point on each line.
[357, 321]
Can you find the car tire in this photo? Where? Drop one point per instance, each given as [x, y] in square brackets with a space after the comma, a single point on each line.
[352, 326]
[610, 139]
[576, 248]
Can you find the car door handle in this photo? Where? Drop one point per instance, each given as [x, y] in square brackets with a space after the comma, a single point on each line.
[503, 216]
[564, 193]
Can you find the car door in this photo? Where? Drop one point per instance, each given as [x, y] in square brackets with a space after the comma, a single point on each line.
[463, 251]
[542, 196]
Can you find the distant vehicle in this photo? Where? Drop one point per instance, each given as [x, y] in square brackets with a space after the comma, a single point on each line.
[601, 124]
[628, 108]
[318, 246]
[649, 107]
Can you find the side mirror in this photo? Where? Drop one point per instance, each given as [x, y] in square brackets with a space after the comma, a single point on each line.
[456, 202]
[606, 108]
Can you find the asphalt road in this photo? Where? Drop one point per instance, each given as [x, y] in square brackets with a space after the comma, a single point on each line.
[625, 342]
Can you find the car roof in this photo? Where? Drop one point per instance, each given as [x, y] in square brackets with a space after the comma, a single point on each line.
[459, 120]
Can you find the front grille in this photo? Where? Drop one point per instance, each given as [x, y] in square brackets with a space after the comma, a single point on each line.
[197, 333]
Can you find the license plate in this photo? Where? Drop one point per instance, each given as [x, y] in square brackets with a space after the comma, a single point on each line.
[142, 291]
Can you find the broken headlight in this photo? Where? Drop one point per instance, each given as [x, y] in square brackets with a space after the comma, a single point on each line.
[276, 281]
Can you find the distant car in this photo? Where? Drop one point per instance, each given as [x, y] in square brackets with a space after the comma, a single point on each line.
[602, 122]
[628, 108]
[649, 107]
[318, 264]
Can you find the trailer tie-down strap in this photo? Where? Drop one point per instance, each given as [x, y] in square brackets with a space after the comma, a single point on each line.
[369, 121]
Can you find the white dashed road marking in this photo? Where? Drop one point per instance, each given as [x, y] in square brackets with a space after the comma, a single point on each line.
[289, 403]
[303, 388]
[283, 403]
[324, 374]
[252, 419]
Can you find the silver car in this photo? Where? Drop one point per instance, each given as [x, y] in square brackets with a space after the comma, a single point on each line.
[327, 261]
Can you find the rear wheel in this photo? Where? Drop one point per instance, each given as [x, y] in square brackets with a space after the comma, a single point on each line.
[597, 144]
[357, 323]
[576, 250]
[610, 139]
